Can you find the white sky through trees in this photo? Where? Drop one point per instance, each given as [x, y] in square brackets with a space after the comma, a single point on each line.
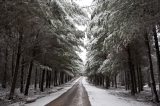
[83, 3]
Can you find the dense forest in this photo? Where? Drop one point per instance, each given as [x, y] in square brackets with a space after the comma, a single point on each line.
[39, 43]
[123, 47]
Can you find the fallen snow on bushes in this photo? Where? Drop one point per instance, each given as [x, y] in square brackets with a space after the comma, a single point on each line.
[102, 97]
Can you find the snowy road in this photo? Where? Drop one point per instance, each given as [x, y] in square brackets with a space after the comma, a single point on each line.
[81, 93]
[102, 97]
[76, 96]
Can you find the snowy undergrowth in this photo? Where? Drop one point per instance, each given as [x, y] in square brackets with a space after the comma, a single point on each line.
[103, 97]
[143, 96]
[41, 99]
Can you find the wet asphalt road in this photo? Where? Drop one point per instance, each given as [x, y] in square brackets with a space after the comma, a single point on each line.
[76, 96]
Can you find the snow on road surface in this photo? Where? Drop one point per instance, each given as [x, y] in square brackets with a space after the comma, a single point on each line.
[97, 96]
[101, 97]
[45, 100]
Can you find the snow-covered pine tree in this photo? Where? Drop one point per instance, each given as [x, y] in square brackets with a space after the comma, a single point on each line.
[43, 36]
[122, 25]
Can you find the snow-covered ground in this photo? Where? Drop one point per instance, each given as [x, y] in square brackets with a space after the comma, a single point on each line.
[97, 96]
[48, 98]
[102, 97]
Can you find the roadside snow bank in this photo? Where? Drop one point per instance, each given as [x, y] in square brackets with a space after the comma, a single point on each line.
[48, 98]
[45, 100]
[102, 97]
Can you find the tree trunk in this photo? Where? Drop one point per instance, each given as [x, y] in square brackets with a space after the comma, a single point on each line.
[131, 68]
[62, 78]
[31, 66]
[157, 54]
[65, 78]
[96, 80]
[148, 78]
[112, 81]
[103, 81]
[107, 82]
[40, 77]
[141, 79]
[47, 78]
[153, 84]
[134, 78]
[5, 69]
[115, 80]
[36, 78]
[127, 80]
[29, 77]
[13, 61]
[42, 81]
[22, 76]
[138, 79]
[50, 79]
[125, 77]
[55, 78]
[58, 78]
[14, 80]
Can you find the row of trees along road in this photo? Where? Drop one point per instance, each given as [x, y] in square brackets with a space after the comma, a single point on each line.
[123, 45]
[39, 43]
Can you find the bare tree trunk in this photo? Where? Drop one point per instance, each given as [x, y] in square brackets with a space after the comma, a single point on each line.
[103, 80]
[127, 80]
[115, 80]
[141, 78]
[148, 78]
[107, 82]
[96, 79]
[153, 84]
[47, 79]
[14, 80]
[157, 53]
[22, 76]
[5, 69]
[50, 79]
[40, 77]
[29, 77]
[13, 61]
[62, 77]
[31, 65]
[135, 81]
[58, 78]
[138, 79]
[55, 78]
[65, 77]
[35, 80]
[131, 67]
[42, 81]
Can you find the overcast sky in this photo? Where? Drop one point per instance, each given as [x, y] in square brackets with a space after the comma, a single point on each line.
[83, 3]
